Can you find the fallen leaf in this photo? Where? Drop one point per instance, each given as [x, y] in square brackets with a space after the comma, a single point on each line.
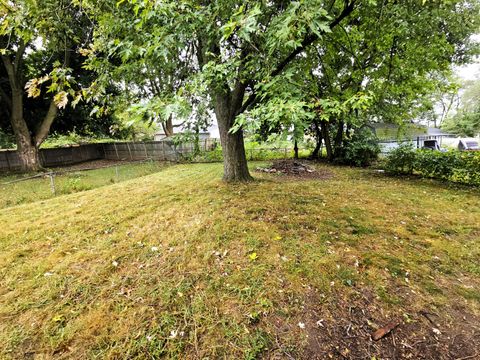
[382, 332]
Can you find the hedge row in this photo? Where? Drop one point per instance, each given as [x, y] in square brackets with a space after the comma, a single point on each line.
[457, 166]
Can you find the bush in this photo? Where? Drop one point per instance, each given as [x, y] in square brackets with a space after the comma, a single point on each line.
[361, 150]
[457, 166]
[6, 141]
[401, 160]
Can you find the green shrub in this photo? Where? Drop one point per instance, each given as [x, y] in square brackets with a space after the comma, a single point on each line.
[457, 166]
[401, 160]
[361, 149]
[6, 141]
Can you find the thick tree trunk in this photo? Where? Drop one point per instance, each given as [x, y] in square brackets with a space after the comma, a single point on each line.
[318, 136]
[168, 127]
[339, 139]
[295, 150]
[326, 137]
[235, 168]
[26, 147]
[30, 158]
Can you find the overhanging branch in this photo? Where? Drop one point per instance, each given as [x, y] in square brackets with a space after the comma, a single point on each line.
[309, 40]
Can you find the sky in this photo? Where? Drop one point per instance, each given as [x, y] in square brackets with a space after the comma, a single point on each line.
[469, 71]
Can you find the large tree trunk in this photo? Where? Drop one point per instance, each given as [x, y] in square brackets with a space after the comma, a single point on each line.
[326, 137]
[168, 127]
[318, 136]
[29, 156]
[339, 140]
[235, 168]
[295, 150]
[26, 147]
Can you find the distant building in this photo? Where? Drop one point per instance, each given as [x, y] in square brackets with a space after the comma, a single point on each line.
[391, 136]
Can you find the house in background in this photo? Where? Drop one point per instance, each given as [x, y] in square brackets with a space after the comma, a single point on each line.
[391, 136]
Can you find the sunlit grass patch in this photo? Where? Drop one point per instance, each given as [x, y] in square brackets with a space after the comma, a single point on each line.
[179, 264]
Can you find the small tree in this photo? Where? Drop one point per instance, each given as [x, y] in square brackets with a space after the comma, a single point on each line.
[29, 27]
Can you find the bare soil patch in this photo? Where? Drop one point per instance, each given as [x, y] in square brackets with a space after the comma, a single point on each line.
[345, 330]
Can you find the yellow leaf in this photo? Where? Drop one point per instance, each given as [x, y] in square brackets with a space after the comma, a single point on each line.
[61, 99]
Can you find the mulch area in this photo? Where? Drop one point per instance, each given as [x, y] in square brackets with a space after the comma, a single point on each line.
[294, 169]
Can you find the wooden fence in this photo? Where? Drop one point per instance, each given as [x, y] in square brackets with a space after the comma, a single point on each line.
[165, 150]
[10, 161]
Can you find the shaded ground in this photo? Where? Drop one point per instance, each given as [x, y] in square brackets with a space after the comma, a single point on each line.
[180, 265]
[295, 169]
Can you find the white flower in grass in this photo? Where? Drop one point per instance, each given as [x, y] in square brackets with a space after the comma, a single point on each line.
[173, 334]
[301, 325]
[154, 248]
[114, 263]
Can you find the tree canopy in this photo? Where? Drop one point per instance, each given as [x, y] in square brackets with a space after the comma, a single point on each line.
[326, 66]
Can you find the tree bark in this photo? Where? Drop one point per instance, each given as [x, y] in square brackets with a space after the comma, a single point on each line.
[28, 142]
[295, 150]
[339, 139]
[326, 137]
[26, 148]
[168, 127]
[235, 168]
[318, 137]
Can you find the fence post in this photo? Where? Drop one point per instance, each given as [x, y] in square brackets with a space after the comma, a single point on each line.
[8, 160]
[116, 151]
[145, 148]
[52, 183]
[163, 151]
[129, 152]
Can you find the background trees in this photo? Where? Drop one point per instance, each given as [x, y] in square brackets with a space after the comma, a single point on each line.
[328, 67]
[466, 119]
[41, 71]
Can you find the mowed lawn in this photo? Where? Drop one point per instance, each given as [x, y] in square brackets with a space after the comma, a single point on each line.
[180, 265]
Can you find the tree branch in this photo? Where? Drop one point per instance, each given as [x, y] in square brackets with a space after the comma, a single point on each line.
[7, 62]
[19, 56]
[309, 40]
[44, 128]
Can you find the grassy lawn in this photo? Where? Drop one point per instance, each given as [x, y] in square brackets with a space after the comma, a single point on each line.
[17, 193]
[181, 265]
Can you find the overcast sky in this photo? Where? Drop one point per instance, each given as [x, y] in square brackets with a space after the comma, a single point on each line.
[468, 72]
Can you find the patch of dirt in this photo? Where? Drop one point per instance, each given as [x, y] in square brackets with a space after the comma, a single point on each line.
[343, 330]
[295, 169]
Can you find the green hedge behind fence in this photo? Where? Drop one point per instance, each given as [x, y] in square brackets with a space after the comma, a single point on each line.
[457, 166]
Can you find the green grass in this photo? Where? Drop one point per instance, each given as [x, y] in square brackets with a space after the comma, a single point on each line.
[66, 183]
[181, 265]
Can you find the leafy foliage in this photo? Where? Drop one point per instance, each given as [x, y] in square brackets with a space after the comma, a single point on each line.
[457, 166]
[360, 150]
[466, 121]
